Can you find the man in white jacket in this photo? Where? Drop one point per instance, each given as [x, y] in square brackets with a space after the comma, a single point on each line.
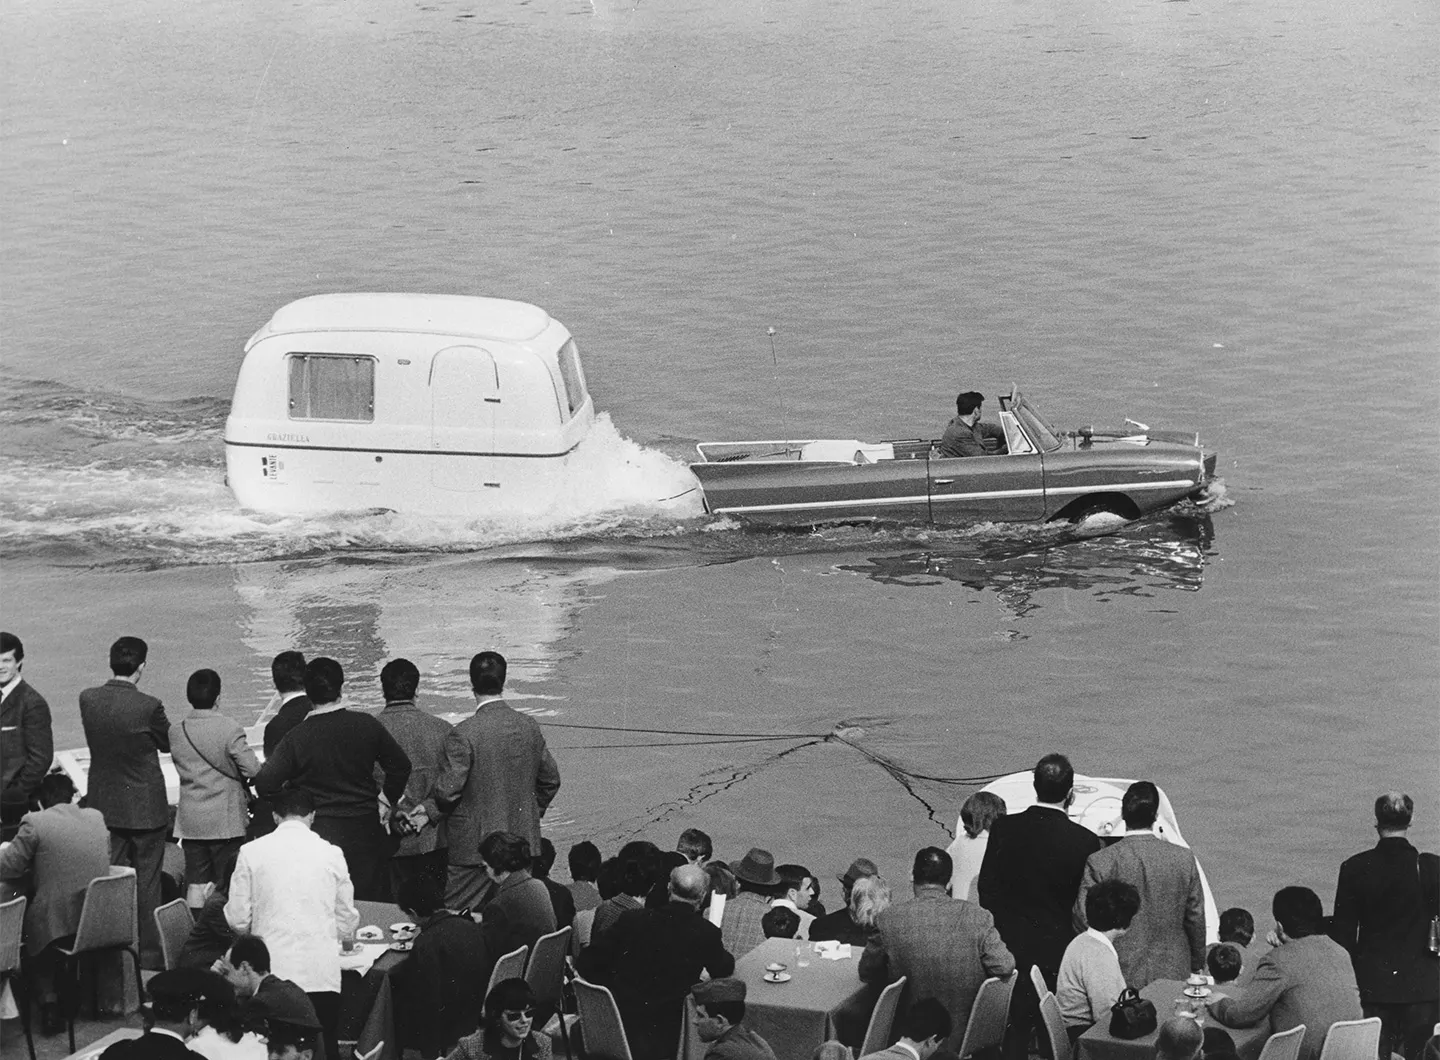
[293, 889]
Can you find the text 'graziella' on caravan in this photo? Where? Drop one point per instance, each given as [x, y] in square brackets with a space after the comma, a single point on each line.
[441, 404]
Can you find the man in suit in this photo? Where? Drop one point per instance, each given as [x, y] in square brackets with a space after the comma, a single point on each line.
[1166, 940]
[173, 1014]
[56, 853]
[720, 1022]
[498, 776]
[126, 731]
[287, 671]
[1031, 874]
[945, 946]
[263, 996]
[561, 900]
[1384, 901]
[422, 736]
[215, 765]
[923, 1028]
[26, 744]
[1306, 978]
[650, 958]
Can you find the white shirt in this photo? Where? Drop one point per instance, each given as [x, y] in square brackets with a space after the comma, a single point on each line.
[806, 919]
[292, 888]
[13, 684]
[966, 856]
[213, 1045]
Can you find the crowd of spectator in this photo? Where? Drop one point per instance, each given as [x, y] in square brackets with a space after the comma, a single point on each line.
[444, 821]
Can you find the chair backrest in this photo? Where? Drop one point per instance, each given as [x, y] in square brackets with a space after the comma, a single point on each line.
[373, 1054]
[581, 925]
[882, 1020]
[989, 1015]
[173, 921]
[1352, 1040]
[12, 931]
[1054, 1026]
[1038, 981]
[510, 966]
[107, 919]
[1285, 1045]
[600, 1024]
[546, 971]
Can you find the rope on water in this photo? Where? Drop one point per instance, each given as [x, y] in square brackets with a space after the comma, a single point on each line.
[684, 732]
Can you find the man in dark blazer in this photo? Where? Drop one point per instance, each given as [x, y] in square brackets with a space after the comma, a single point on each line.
[1306, 978]
[287, 672]
[126, 731]
[26, 744]
[263, 996]
[1384, 901]
[1031, 874]
[498, 777]
[650, 959]
[1166, 940]
[945, 947]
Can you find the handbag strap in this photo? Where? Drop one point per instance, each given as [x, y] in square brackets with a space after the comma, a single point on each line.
[241, 780]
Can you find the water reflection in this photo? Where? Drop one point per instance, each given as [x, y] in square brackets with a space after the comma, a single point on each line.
[1140, 560]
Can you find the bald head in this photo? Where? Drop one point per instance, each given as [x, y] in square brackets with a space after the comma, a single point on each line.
[1180, 1038]
[688, 884]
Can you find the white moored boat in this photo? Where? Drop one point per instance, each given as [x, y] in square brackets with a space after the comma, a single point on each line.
[437, 404]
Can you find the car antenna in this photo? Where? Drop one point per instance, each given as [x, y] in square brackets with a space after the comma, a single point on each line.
[772, 333]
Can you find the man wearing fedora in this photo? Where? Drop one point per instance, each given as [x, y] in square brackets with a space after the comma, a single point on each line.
[719, 1021]
[759, 883]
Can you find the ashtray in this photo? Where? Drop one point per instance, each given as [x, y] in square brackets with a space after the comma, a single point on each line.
[775, 966]
[777, 977]
[370, 933]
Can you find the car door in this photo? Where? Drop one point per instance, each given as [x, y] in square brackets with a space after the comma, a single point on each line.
[975, 489]
[464, 401]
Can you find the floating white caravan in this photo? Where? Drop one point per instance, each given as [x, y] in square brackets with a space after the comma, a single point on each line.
[439, 404]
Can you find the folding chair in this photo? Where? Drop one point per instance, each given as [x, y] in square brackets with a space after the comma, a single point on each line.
[988, 1016]
[882, 1020]
[1285, 1045]
[600, 1025]
[373, 1054]
[510, 966]
[12, 932]
[1038, 981]
[545, 974]
[1054, 1027]
[173, 922]
[1352, 1040]
[108, 922]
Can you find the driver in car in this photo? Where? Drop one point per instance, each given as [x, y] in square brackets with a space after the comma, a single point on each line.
[965, 435]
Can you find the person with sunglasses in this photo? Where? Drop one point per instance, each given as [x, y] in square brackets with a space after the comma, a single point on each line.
[507, 1032]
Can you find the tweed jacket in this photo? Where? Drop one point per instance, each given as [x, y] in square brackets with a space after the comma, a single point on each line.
[1033, 865]
[1166, 939]
[1382, 916]
[54, 856]
[740, 923]
[1307, 980]
[26, 745]
[214, 763]
[126, 731]
[422, 737]
[946, 947]
[499, 776]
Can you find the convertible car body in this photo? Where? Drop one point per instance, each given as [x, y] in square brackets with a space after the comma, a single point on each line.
[1046, 474]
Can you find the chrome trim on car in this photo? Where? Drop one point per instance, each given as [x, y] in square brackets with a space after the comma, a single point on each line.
[875, 502]
[1109, 487]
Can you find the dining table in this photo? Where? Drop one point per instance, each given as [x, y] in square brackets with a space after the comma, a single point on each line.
[822, 1000]
[367, 1002]
[1168, 997]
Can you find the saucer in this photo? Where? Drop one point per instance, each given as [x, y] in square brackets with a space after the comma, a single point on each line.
[1197, 991]
[777, 977]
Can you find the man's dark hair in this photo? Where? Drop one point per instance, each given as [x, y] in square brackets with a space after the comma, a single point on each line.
[733, 1011]
[641, 868]
[1237, 925]
[793, 875]
[280, 1034]
[251, 950]
[607, 880]
[323, 680]
[10, 642]
[932, 866]
[487, 673]
[780, 923]
[292, 802]
[1394, 810]
[505, 851]
[1054, 777]
[544, 861]
[1140, 805]
[584, 858]
[1298, 911]
[203, 689]
[968, 402]
[1224, 962]
[127, 655]
[398, 680]
[1111, 904]
[926, 1019]
[287, 670]
[55, 788]
[421, 895]
[694, 843]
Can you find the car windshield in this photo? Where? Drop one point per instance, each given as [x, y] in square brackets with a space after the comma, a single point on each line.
[1040, 431]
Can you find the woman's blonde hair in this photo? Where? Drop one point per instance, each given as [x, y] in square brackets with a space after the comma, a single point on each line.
[868, 899]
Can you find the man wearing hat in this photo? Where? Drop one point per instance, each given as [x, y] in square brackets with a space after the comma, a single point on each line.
[838, 925]
[719, 1020]
[759, 882]
[172, 1014]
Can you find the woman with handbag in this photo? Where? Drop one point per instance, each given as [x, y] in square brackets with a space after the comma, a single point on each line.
[1090, 981]
[215, 765]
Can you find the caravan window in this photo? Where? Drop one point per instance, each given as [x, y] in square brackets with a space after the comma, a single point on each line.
[332, 386]
[573, 376]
